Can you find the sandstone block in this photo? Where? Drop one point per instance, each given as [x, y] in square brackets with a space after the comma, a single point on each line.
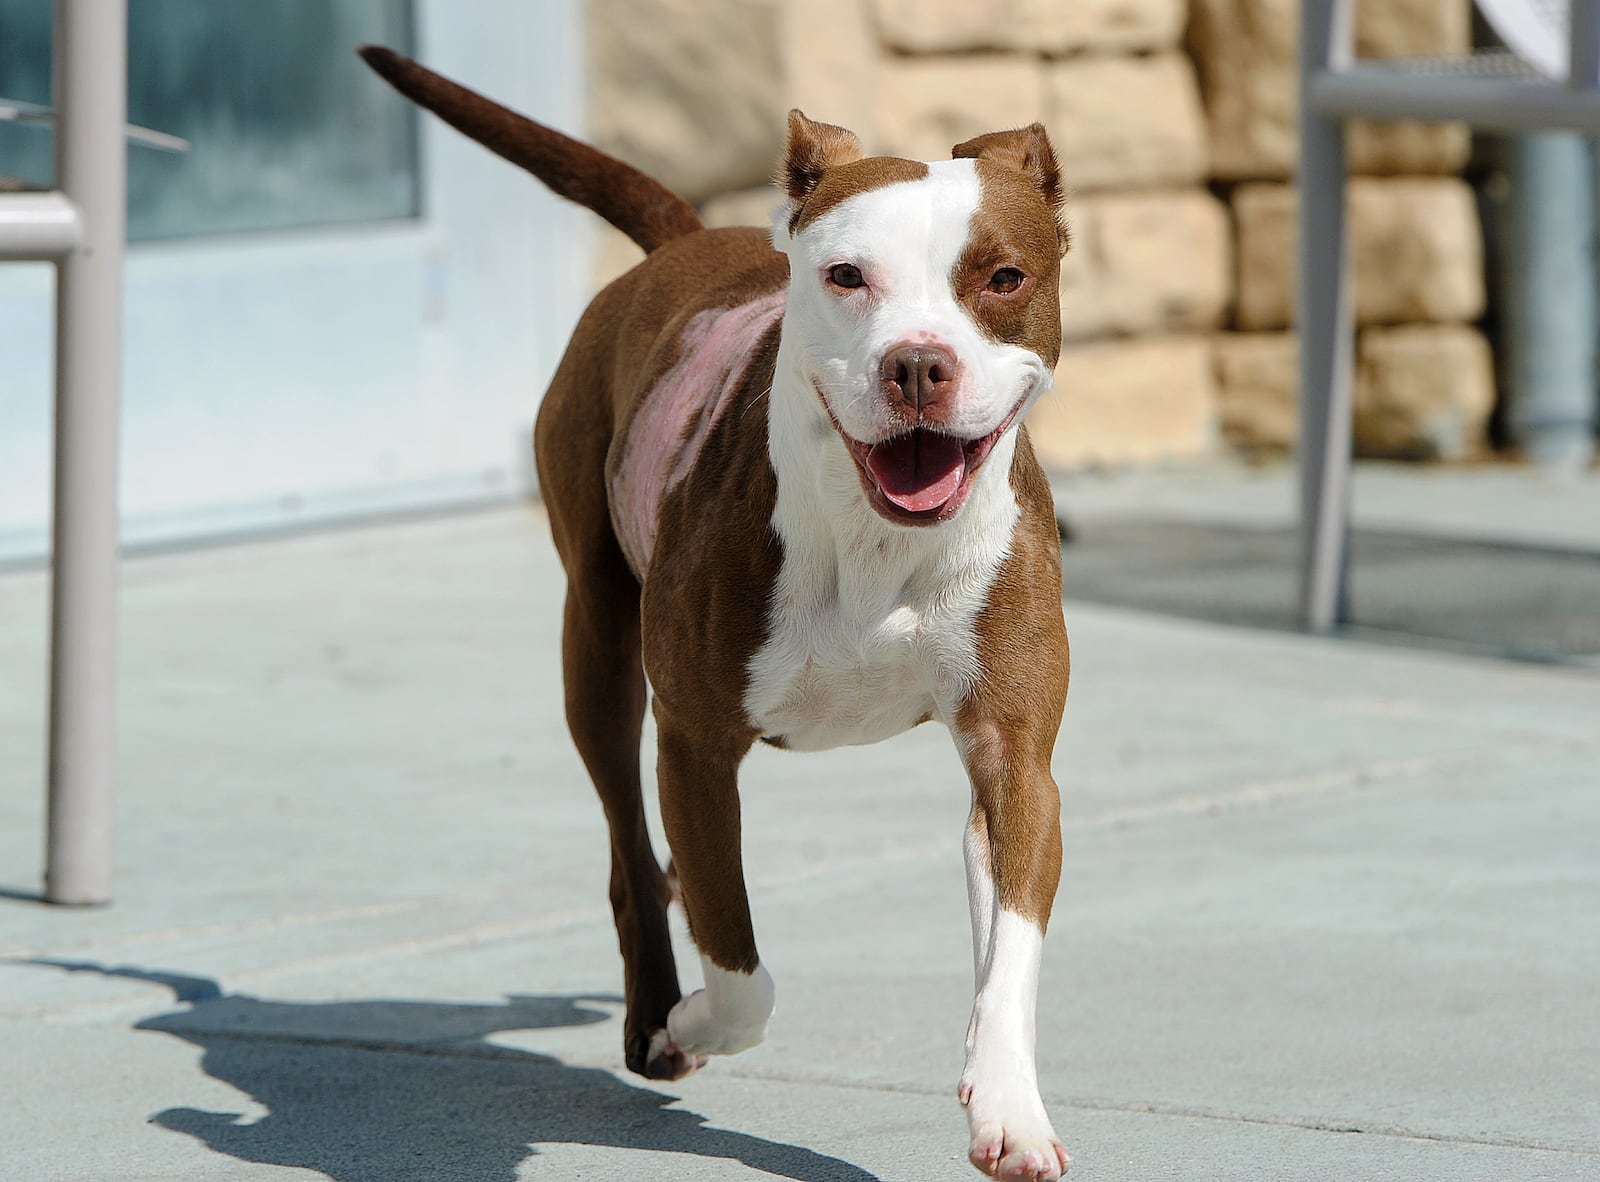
[690, 91]
[743, 207]
[1128, 402]
[1126, 122]
[1117, 26]
[1082, 306]
[830, 63]
[1407, 149]
[926, 107]
[1044, 26]
[1415, 248]
[615, 253]
[1423, 391]
[1162, 261]
[1257, 380]
[1265, 219]
[1246, 51]
[1412, 28]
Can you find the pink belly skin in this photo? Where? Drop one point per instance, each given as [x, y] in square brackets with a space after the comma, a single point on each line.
[677, 415]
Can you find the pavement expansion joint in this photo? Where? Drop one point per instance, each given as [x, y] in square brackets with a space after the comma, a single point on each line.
[267, 923]
[449, 1049]
[878, 860]
[1335, 1125]
[1267, 793]
[1346, 1127]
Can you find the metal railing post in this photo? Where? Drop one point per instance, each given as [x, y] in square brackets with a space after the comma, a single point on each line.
[91, 101]
[1583, 47]
[1323, 317]
[1551, 308]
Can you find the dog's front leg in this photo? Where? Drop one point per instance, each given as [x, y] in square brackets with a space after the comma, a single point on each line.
[700, 811]
[1013, 859]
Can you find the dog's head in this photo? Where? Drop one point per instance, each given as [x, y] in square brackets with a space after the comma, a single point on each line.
[923, 308]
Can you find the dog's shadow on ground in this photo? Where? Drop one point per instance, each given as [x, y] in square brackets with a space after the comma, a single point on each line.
[413, 1091]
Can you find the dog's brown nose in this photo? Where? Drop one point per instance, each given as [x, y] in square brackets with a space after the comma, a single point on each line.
[918, 375]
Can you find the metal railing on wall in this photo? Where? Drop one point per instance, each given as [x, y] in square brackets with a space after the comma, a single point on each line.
[1495, 91]
[80, 227]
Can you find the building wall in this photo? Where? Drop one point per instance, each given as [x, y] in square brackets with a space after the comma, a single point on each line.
[349, 354]
[1174, 121]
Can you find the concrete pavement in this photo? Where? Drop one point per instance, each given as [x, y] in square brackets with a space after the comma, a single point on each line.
[1497, 560]
[1498, 503]
[1327, 909]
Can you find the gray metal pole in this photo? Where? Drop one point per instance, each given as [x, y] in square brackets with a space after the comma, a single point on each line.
[1583, 45]
[1549, 269]
[1324, 323]
[91, 98]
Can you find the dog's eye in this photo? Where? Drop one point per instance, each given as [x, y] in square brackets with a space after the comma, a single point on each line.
[846, 276]
[1006, 280]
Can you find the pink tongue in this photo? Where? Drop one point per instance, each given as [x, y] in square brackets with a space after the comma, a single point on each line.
[918, 471]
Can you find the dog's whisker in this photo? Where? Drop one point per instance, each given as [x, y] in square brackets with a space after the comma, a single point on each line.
[748, 406]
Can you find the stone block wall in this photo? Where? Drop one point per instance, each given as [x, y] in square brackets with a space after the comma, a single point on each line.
[1174, 121]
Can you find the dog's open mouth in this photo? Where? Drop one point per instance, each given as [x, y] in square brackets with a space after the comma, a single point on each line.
[918, 471]
[922, 476]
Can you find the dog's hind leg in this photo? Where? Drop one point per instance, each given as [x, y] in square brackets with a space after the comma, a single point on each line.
[603, 676]
[605, 695]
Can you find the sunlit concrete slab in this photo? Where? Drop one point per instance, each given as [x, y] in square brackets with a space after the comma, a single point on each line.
[1326, 907]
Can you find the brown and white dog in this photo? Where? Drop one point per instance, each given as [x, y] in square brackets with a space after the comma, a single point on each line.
[788, 479]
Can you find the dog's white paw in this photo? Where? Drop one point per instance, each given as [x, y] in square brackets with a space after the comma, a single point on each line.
[1011, 1135]
[696, 1029]
[728, 1016]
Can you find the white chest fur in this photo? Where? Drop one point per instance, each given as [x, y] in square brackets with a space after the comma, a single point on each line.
[872, 627]
[857, 665]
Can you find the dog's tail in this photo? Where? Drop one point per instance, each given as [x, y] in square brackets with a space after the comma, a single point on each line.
[642, 208]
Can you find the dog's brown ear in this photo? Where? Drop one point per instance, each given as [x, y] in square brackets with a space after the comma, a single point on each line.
[1028, 150]
[813, 148]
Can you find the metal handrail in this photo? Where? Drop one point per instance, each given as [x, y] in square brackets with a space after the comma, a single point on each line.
[1495, 91]
[17, 111]
[81, 227]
